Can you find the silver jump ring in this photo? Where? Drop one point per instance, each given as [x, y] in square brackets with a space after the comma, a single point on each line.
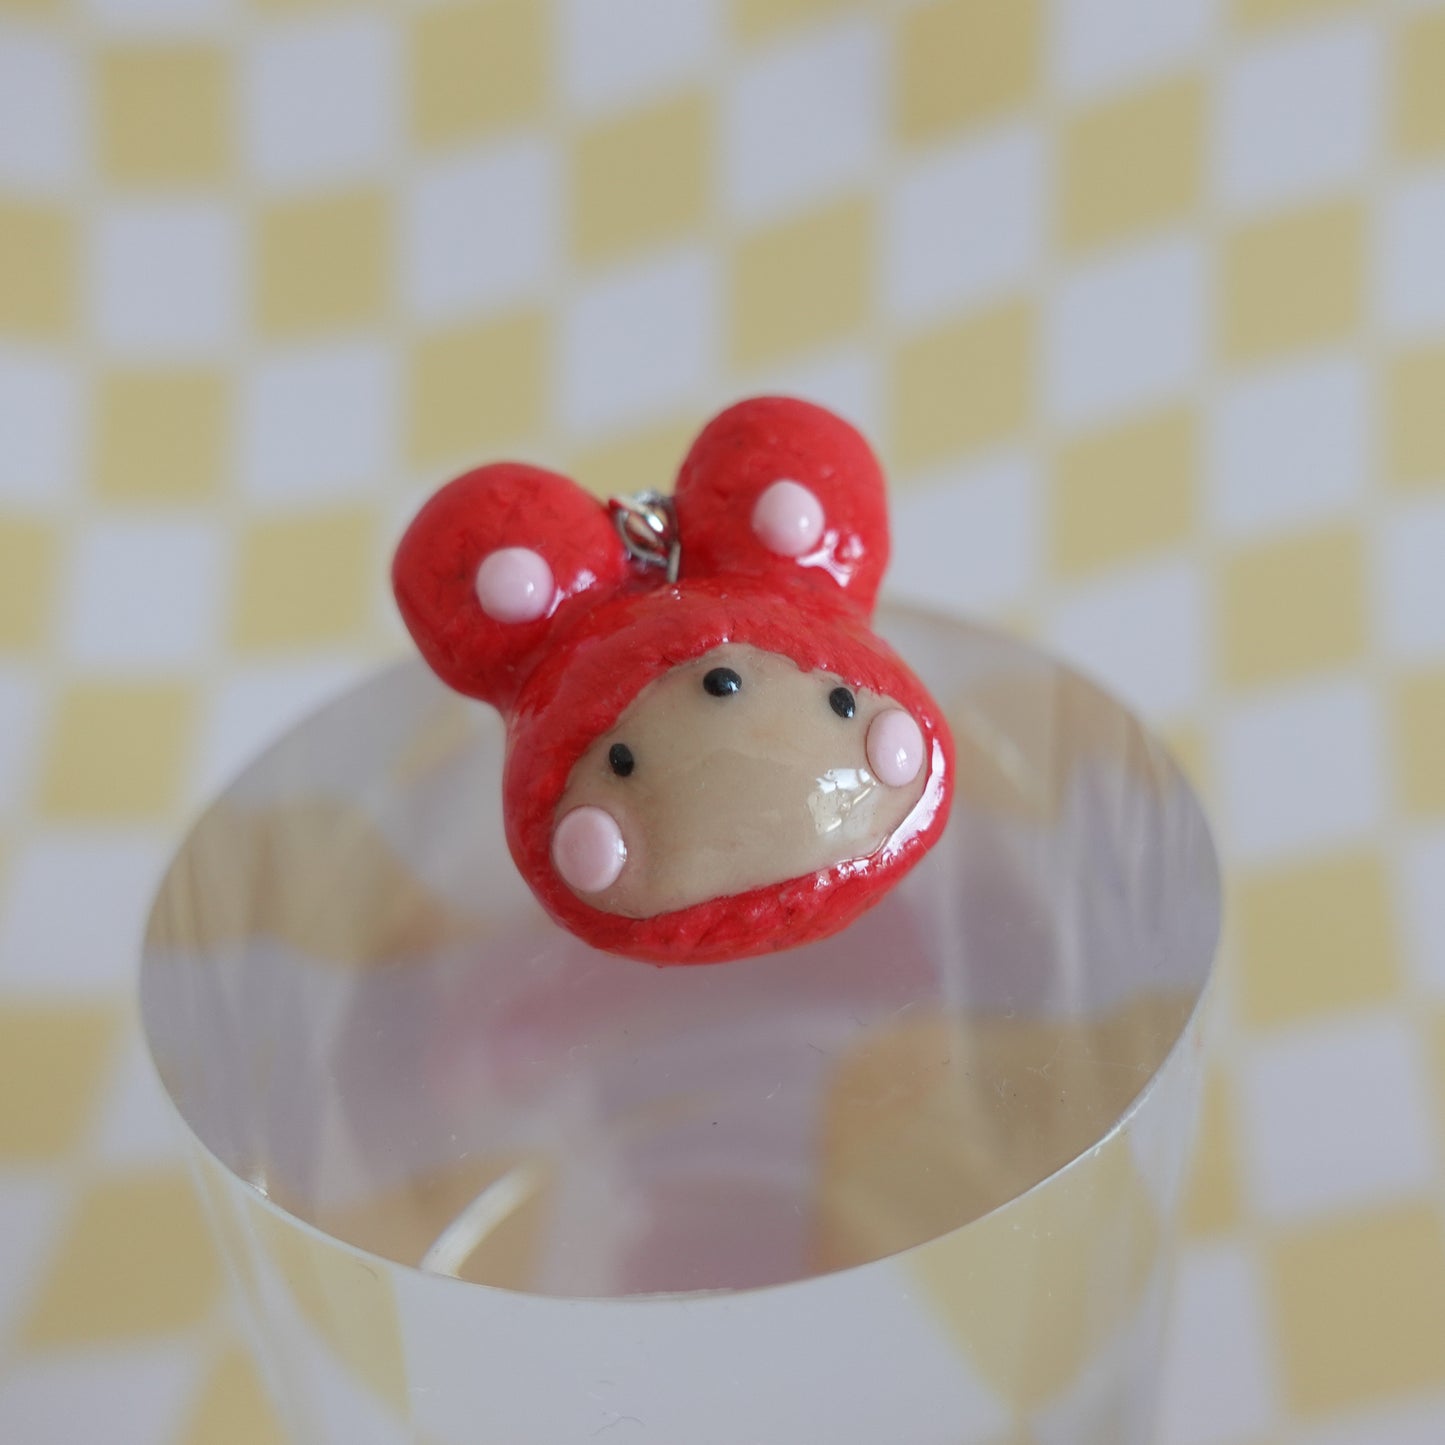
[647, 524]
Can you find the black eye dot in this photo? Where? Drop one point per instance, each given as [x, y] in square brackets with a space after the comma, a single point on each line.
[620, 760]
[721, 681]
[841, 701]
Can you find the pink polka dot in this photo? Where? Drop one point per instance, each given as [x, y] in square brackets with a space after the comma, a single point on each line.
[895, 747]
[515, 584]
[587, 849]
[788, 519]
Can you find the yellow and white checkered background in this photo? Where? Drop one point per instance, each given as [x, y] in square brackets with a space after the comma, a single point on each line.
[1143, 302]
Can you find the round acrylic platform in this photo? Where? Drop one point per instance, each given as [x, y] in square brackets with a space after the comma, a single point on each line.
[480, 1183]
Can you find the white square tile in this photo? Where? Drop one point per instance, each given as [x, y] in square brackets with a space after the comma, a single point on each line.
[166, 279]
[802, 120]
[1288, 446]
[42, 117]
[1422, 910]
[253, 706]
[42, 422]
[968, 542]
[964, 223]
[1408, 277]
[846, 381]
[144, 594]
[1218, 1385]
[1334, 1116]
[480, 229]
[137, 1125]
[168, 19]
[76, 909]
[624, 51]
[1125, 332]
[20, 714]
[1410, 1422]
[319, 100]
[33, 1208]
[1142, 631]
[319, 423]
[1299, 115]
[125, 1394]
[1302, 769]
[1409, 580]
[639, 341]
[795, 1367]
[1100, 45]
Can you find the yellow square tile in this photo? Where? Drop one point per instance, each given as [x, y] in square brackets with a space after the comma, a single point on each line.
[477, 66]
[963, 61]
[323, 264]
[117, 750]
[346, 1301]
[639, 461]
[1260, 13]
[1360, 1306]
[164, 114]
[1293, 281]
[161, 435]
[37, 270]
[801, 284]
[53, 1065]
[754, 20]
[641, 179]
[136, 1262]
[1420, 740]
[233, 1408]
[963, 387]
[1315, 938]
[1132, 164]
[477, 388]
[1211, 1196]
[1125, 492]
[1419, 89]
[1292, 607]
[305, 581]
[1415, 416]
[27, 581]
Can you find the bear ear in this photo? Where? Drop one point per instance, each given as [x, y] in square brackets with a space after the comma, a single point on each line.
[491, 563]
[775, 487]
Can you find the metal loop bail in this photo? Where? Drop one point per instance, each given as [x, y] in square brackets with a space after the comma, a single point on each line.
[647, 524]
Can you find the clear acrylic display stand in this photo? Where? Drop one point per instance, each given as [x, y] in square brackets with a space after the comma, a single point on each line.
[480, 1185]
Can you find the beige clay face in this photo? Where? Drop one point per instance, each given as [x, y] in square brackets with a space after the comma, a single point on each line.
[730, 792]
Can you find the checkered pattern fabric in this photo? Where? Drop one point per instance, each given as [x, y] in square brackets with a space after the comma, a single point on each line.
[1144, 306]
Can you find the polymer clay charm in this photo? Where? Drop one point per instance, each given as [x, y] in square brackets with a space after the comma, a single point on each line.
[710, 754]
